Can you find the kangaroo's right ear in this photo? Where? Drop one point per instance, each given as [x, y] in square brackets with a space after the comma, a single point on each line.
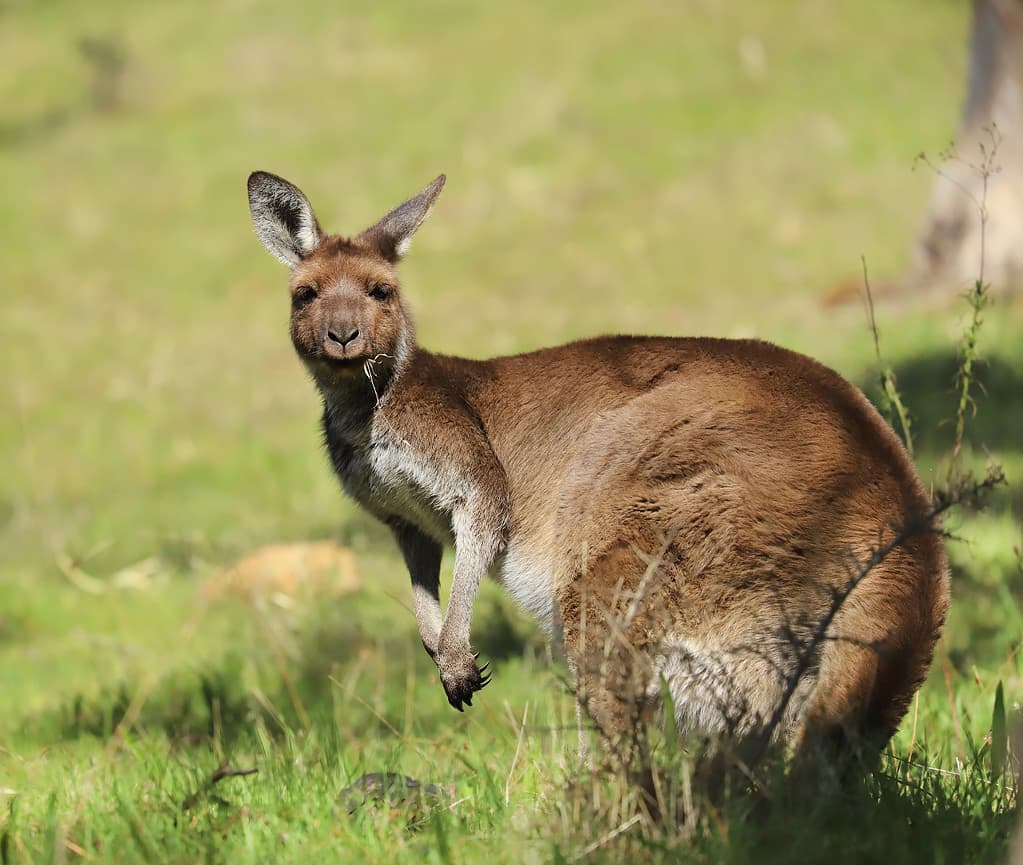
[283, 218]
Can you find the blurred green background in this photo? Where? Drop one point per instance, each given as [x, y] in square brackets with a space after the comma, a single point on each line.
[698, 167]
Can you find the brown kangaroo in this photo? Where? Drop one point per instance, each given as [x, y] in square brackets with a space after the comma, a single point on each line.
[667, 508]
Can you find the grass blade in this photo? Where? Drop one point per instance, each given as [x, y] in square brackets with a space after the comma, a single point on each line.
[999, 736]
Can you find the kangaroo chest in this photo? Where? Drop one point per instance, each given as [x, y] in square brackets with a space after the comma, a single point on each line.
[388, 479]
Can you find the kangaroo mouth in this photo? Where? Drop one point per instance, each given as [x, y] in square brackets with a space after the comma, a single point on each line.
[340, 360]
[328, 365]
[374, 367]
[345, 367]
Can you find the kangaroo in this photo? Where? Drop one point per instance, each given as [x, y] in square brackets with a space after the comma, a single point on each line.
[671, 510]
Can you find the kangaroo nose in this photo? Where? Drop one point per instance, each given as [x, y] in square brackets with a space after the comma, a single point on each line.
[341, 339]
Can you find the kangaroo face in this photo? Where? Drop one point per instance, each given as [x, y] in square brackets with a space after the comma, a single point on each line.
[346, 309]
[347, 315]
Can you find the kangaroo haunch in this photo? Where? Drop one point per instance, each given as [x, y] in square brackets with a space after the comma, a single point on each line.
[677, 509]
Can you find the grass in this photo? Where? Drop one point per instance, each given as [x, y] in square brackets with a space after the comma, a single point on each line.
[688, 168]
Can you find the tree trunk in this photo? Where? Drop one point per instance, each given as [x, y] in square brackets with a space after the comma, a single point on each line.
[950, 249]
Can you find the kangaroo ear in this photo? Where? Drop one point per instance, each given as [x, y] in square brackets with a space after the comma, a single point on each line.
[282, 217]
[392, 235]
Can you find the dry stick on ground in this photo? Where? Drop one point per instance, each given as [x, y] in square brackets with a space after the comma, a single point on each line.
[606, 839]
[224, 770]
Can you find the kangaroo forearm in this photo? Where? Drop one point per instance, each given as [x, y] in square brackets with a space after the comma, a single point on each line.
[457, 625]
[479, 537]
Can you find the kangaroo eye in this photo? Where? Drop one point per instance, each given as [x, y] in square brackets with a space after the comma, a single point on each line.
[303, 295]
[380, 291]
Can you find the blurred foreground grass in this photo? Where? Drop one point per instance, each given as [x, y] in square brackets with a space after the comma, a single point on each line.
[650, 167]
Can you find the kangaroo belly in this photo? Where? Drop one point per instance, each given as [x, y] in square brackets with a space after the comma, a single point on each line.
[528, 579]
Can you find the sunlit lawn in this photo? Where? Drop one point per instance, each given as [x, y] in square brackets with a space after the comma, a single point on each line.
[667, 168]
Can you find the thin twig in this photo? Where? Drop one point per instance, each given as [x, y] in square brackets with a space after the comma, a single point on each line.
[606, 839]
[224, 770]
[946, 669]
[916, 715]
[515, 758]
[889, 389]
[977, 296]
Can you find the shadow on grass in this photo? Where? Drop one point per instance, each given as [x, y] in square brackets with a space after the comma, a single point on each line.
[321, 678]
[503, 632]
[927, 384]
[994, 421]
[987, 577]
[900, 812]
[244, 690]
[188, 708]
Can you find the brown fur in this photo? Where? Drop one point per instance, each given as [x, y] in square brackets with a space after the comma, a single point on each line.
[688, 506]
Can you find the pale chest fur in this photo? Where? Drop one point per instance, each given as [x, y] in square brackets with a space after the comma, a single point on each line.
[385, 475]
[388, 477]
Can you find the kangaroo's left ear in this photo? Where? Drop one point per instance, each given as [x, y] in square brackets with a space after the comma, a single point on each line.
[392, 235]
[283, 218]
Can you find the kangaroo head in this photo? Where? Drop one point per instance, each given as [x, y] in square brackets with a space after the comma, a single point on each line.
[347, 312]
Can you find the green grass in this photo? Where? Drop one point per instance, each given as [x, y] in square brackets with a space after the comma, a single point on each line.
[651, 167]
